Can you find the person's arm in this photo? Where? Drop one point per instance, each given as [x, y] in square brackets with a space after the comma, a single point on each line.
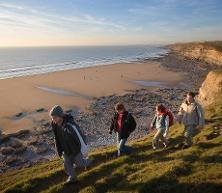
[180, 114]
[167, 123]
[132, 122]
[200, 114]
[57, 143]
[112, 126]
[153, 122]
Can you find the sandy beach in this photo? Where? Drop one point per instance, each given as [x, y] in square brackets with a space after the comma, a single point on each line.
[21, 97]
[89, 94]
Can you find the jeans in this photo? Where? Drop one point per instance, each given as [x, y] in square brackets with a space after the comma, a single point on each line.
[157, 138]
[189, 132]
[70, 160]
[122, 147]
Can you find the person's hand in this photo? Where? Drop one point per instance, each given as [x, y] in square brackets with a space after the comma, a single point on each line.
[164, 135]
[182, 110]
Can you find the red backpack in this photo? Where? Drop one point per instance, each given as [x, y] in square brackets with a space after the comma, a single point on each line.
[171, 117]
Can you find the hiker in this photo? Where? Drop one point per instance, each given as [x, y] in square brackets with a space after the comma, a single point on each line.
[123, 124]
[162, 120]
[191, 115]
[67, 142]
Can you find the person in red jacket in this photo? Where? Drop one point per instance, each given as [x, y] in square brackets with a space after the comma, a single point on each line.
[123, 124]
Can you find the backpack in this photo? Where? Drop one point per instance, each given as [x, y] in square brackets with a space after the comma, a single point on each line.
[169, 114]
[171, 117]
[133, 123]
[84, 146]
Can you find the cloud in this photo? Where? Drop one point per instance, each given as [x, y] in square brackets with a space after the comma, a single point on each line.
[23, 16]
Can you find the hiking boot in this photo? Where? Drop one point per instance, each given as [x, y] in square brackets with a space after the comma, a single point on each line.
[185, 146]
[179, 146]
[71, 181]
[154, 148]
[88, 163]
[165, 145]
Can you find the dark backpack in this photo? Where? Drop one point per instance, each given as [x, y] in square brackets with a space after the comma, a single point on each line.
[131, 122]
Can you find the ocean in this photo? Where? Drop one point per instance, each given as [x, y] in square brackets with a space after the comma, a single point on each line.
[15, 62]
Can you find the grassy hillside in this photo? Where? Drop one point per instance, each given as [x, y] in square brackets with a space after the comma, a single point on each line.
[195, 170]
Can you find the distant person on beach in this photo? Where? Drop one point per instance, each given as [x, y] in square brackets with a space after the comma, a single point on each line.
[67, 142]
[162, 121]
[191, 115]
[123, 124]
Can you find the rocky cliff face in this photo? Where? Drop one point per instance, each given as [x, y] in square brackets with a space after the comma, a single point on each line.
[199, 51]
[211, 87]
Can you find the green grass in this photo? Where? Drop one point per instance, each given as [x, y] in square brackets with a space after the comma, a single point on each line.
[196, 169]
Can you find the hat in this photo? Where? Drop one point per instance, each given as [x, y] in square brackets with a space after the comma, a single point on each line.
[56, 111]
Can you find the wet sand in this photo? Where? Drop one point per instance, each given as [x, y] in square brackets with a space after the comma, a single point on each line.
[73, 89]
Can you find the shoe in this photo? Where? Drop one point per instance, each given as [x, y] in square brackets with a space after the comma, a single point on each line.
[179, 146]
[70, 181]
[88, 163]
[165, 145]
[185, 146]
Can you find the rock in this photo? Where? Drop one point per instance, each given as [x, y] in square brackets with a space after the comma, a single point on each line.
[15, 143]
[43, 130]
[19, 114]
[41, 110]
[210, 88]
[7, 150]
[19, 134]
[41, 149]
[33, 141]
[19, 150]
[46, 124]
[10, 160]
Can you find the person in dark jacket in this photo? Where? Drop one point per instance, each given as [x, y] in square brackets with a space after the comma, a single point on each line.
[67, 142]
[123, 124]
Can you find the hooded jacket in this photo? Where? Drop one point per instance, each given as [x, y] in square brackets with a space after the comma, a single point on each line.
[66, 139]
[191, 114]
[128, 124]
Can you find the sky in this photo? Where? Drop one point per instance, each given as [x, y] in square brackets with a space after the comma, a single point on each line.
[108, 22]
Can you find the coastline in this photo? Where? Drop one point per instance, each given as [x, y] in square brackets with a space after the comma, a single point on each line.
[73, 89]
[35, 145]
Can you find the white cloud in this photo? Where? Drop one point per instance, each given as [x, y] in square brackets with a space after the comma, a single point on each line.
[22, 16]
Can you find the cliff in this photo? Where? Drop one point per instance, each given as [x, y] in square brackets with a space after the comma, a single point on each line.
[210, 52]
[211, 88]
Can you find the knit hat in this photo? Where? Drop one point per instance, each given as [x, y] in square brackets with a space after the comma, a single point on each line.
[56, 111]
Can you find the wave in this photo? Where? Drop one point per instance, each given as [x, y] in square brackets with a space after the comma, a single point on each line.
[78, 61]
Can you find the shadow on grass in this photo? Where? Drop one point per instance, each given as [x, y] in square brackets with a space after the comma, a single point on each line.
[37, 184]
[120, 183]
[95, 174]
[165, 185]
[208, 145]
[212, 159]
[214, 120]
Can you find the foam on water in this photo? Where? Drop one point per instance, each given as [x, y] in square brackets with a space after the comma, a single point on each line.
[15, 62]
